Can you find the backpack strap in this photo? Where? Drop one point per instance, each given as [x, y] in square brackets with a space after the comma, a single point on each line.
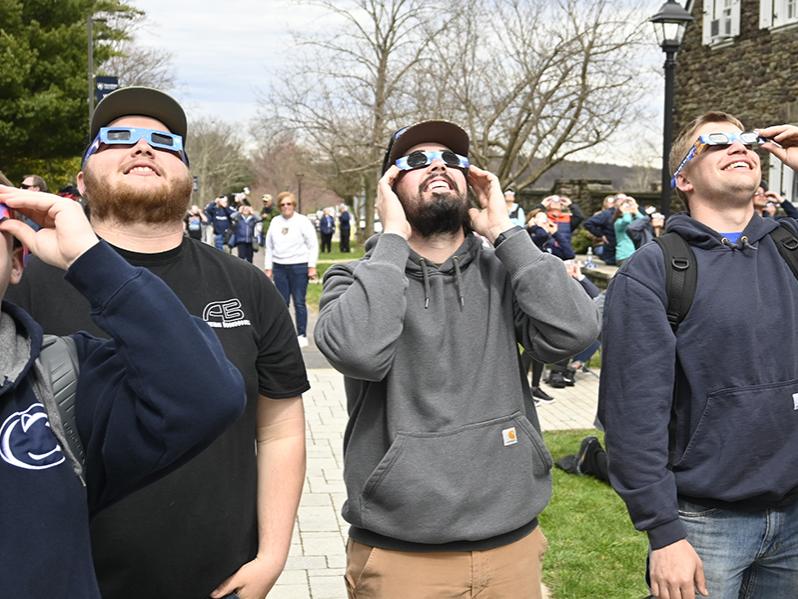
[57, 369]
[787, 244]
[681, 276]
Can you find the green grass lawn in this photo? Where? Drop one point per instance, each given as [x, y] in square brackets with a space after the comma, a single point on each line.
[594, 552]
[325, 262]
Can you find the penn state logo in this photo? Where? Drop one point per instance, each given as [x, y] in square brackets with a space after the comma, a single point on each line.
[26, 440]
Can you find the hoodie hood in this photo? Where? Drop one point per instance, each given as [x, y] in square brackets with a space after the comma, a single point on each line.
[699, 235]
[20, 340]
[420, 268]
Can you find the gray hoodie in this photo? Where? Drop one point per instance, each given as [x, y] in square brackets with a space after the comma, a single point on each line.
[438, 448]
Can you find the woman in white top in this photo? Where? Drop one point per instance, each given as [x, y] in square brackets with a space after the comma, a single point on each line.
[291, 253]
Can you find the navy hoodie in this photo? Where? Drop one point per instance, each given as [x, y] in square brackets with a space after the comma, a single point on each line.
[147, 400]
[711, 413]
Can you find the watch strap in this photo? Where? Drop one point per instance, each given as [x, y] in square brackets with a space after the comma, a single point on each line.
[502, 237]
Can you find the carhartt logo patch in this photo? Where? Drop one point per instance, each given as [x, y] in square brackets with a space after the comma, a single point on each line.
[510, 438]
[795, 401]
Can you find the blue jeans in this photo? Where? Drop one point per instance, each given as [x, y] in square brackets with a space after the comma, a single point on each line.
[746, 555]
[218, 241]
[291, 281]
[245, 251]
[587, 353]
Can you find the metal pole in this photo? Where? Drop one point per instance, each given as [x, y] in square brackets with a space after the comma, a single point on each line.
[667, 130]
[90, 29]
[299, 192]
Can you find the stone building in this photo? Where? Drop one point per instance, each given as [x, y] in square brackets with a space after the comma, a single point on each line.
[740, 56]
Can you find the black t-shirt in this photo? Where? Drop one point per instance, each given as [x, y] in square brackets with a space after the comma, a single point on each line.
[183, 535]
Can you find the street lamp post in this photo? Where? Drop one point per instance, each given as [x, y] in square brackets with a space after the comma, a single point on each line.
[90, 31]
[669, 24]
[299, 192]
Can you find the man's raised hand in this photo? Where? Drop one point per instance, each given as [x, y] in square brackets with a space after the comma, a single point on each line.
[66, 233]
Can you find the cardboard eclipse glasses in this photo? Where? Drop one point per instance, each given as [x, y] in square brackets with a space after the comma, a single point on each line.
[748, 138]
[423, 158]
[128, 136]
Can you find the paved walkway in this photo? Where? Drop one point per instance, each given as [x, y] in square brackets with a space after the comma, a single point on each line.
[316, 563]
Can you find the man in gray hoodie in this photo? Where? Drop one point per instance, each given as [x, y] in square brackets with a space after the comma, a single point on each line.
[445, 468]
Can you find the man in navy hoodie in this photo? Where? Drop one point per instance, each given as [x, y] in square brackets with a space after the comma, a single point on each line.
[136, 419]
[702, 424]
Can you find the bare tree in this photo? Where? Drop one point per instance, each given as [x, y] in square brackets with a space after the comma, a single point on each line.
[536, 81]
[131, 62]
[218, 159]
[350, 89]
[532, 81]
[138, 65]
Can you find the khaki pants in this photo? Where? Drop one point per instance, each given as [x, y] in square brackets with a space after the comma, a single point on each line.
[509, 571]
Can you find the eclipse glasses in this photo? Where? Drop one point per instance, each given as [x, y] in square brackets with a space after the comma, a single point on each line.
[422, 158]
[128, 136]
[5, 212]
[748, 138]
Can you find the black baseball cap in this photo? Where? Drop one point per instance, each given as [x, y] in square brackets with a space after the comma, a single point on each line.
[443, 132]
[140, 101]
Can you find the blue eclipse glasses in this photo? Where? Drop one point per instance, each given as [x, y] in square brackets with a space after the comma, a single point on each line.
[422, 158]
[5, 212]
[128, 136]
[748, 138]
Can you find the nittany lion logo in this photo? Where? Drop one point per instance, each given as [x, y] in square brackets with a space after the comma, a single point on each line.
[226, 314]
[26, 440]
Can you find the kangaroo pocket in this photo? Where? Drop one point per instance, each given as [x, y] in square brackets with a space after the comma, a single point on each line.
[745, 444]
[469, 483]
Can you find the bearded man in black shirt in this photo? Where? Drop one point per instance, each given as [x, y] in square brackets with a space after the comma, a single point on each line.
[218, 526]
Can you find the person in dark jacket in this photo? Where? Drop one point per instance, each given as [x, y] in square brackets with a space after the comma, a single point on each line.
[548, 236]
[344, 227]
[600, 225]
[326, 230]
[768, 202]
[566, 215]
[221, 217]
[244, 231]
[701, 423]
[136, 419]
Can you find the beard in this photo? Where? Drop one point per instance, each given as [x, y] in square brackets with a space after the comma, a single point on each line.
[445, 212]
[125, 203]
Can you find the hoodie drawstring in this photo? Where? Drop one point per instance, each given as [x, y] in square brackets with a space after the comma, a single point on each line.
[458, 281]
[742, 244]
[425, 276]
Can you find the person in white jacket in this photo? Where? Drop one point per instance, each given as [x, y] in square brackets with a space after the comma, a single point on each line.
[291, 253]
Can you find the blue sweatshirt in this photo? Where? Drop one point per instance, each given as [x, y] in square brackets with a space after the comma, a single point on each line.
[710, 413]
[149, 399]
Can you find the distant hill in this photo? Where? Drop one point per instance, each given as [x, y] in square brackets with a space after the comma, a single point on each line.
[623, 178]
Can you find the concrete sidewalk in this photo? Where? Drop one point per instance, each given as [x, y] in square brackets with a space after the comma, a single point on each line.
[316, 563]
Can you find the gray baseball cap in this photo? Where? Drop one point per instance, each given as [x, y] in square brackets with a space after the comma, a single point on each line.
[140, 101]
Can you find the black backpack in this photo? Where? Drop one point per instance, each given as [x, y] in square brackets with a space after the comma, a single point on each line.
[55, 383]
[681, 270]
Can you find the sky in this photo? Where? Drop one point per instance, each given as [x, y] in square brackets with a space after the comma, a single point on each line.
[226, 54]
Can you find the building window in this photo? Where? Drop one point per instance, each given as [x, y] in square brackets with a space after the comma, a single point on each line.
[775, 13]
[721, 20]
[782, 179]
